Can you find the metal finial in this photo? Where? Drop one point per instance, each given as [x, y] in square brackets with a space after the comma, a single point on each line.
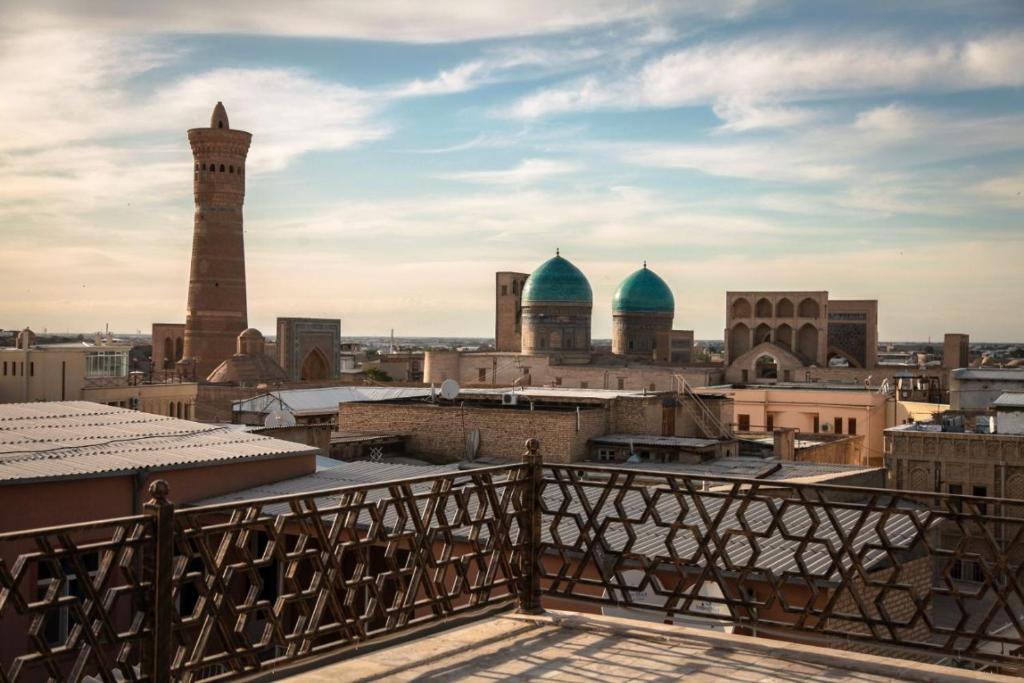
[532, 446]
[645, 264]
[158, 490]
[557, 253]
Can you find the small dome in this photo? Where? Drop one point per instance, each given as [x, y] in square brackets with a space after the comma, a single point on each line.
[557, 281]
[250, 342]
[643, 292]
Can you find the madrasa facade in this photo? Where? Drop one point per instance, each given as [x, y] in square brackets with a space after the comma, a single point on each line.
[543, 336]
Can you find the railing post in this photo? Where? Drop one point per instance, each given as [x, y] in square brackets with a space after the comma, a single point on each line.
[156, 663]
[529, 588]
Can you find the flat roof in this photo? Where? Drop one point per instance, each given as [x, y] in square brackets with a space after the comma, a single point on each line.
[768, 469]
[794, 386]
[75, 439]
[324, 399]
[562, 392]
[655, 440]
[1012, 374]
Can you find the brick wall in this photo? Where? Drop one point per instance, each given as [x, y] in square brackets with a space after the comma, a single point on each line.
[438, 433]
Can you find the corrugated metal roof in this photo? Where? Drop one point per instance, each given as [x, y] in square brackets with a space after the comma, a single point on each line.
[79, 438]
[777, 551]
[746, 467]
[324, 399]
[1007, 374]
[566, 393]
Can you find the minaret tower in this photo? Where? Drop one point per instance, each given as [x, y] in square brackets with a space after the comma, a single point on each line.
[216, 284]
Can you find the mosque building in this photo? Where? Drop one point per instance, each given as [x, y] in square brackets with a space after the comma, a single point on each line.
[557, 303]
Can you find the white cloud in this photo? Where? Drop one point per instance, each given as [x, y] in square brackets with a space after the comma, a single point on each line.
[387, 20]
[525, 172]
[791, 68]
[1005, 189]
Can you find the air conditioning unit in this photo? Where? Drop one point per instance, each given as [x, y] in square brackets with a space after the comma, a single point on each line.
[509, 399]
[826, 427]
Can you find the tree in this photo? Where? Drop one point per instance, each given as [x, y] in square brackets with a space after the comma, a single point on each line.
[376, 374]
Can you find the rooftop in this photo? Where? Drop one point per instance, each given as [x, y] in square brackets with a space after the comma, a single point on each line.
[655, 440]
[74, 439]
[1013, 374]
[567, 646]
[1009, 400]
[323, 400]
[558, 393]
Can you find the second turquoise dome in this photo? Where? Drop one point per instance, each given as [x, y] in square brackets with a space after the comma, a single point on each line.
[643, 292]
[557, 281]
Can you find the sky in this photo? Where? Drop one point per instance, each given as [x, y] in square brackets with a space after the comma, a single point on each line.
[404, 151]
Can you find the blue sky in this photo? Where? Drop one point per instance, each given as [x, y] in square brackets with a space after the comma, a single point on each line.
[404, 151]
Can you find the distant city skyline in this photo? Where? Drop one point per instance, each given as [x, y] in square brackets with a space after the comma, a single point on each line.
[870, 151]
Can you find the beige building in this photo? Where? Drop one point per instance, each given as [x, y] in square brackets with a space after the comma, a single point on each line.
[86, 371]
[772, 335]
[815, 409]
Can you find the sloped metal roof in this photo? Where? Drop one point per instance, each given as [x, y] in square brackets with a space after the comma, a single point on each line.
[324, 399]
[61, 439]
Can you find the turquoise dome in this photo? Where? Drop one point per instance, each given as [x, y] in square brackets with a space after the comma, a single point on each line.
[557, 281]
[643, 292]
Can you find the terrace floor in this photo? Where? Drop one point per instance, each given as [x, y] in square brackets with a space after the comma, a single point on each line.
[567, 646]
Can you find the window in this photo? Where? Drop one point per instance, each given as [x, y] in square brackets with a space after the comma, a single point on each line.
[481, 374]
[743, 423]
[770, 423]
[605, 455]
[31, 369]
[106, 364]
[622, 383]
[981, 492]
[515, 286]
[851, 426]
[584, 385]
[817, 424]
[22, 368]
[222, 168]
[839, 425]
[504, 290]
[651, 387]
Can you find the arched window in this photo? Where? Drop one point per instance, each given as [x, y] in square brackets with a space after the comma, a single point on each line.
[222, 168]
[179, 348]
[220, 124]
[763, 308]
[762, 334]
[808, 308]
[807, 343]
[784, 309]
[231, 169]
[741, 308]
[739, 341]
[766, 367]
[170, 409]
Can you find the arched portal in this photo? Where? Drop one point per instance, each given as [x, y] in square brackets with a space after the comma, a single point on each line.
[179, 348]
[168, 359]
[315, 366]
[766, 367]
[808, 308]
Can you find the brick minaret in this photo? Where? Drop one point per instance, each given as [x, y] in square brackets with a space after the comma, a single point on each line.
[216, 285]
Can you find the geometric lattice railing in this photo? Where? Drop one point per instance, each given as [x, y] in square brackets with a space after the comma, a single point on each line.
[79, 595]
[929, 576]
[270, 581]
[214, 592]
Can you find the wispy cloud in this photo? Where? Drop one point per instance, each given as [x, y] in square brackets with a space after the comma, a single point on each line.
[525, 172]
[791, 68]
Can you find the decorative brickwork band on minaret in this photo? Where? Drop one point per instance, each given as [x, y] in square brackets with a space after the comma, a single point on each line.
[216, 286]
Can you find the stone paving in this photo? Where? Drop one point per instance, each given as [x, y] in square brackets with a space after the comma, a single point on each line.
[564, 646]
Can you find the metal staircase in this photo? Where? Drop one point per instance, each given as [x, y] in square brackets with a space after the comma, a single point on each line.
[706, 420]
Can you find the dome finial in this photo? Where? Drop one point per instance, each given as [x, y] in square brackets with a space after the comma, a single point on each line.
[557, 253]
[645, 264]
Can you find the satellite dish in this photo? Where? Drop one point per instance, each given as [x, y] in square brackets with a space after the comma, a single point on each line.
[279, 418]
[449, 389]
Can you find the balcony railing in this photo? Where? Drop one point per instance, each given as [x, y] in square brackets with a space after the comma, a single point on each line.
[212, 592]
